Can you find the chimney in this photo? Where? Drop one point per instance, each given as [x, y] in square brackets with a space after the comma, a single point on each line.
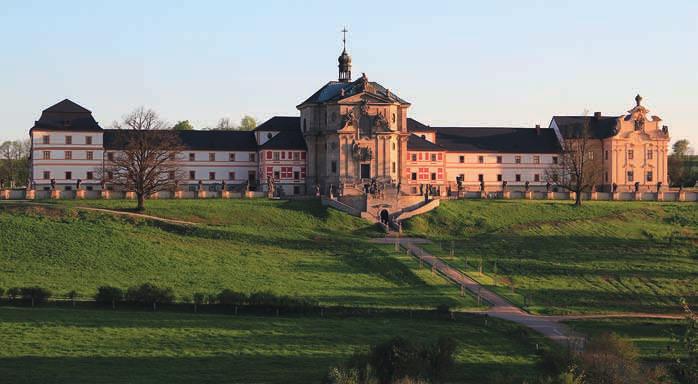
[597, 115]
[538, 129]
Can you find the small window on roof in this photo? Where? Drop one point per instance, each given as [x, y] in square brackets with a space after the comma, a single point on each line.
[269, 135]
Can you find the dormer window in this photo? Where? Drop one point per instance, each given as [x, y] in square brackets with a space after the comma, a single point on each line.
[269, 136]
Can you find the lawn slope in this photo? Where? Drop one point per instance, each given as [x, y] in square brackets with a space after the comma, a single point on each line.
[289, 248]
[601, 257]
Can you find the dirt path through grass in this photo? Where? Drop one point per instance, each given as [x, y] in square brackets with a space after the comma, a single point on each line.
[104, 210]
[550, 326]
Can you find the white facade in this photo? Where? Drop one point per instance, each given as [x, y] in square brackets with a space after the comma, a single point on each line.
[66, 157]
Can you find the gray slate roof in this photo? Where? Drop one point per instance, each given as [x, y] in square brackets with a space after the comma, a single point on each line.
[66, 116]
[195, 140]
[416, 143]
[502, 140]
[281, 123]
[600, 127]
[332, 91]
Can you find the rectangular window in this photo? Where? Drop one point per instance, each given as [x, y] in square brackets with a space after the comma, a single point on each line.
[536, 177]
[499, 159]
[89, 175]
[110, 156]
[394, 167]
[277, 176]
[276, 156]
[47, 175]
[499, 177]
[414, 157]
[69, 140]
[481, 159]
[461, 159]
[433, 157]
[89, 155]
[231, 157]
[481, 177]
[630, 175]
[433, 175]
[605, 176]
[296, 175]
[649, 176]
[212, 156]
[212, 175]
[517, 159]
[440, 156]
[231, 175]
[296, 156]
[420, 156]
[302, 171]
[536, 159]
[631, 154]
[192, 156]
[283, 155]
[590, 155]
[192, 175]
[69, 175]
[47, 155]
[605, 155]
[302, 155]
[554, 159]
[68, 155]
[46, 139]
[649, 154]
[88, 140]
[334, 166]
[518, 177]
[269, 155]
[413, 176]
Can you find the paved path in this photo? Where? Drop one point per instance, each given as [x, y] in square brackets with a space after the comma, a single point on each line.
[550, 326]
[103, 210]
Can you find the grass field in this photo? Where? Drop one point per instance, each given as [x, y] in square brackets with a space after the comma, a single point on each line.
[602, 257]
[78, 346]
[651, 336]
[289, 248]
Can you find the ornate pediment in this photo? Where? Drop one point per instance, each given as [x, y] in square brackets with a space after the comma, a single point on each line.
[361, 153]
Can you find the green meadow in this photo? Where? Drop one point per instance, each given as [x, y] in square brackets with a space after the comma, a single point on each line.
[92, 346]
[552, 257]
[288, 248]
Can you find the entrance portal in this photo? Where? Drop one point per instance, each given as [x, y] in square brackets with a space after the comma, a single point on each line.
[385, 217]
[365, 171]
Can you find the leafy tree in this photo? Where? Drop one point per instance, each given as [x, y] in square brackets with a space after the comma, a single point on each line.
[109, 295]
[14, 162]
[146, 163]
[229, 297]
[150, 294]
[183, 125]
[36, 295]
[682, 148]
[247, 123]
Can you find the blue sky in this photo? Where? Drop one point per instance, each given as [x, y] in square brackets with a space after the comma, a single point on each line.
[495, 63]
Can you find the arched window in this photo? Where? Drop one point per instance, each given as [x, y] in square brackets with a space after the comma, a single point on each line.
[269, 135]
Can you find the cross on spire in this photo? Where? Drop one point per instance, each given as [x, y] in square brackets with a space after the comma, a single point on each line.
[344, 37]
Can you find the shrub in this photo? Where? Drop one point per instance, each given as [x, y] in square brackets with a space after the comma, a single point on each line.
[199, 298]
[13, 293]
[150, 294]
[610, 359]
[2, 292]
[230, 297]
[36, 295]
[109, 295]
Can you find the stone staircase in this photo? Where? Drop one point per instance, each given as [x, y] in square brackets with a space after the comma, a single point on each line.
[371, 207]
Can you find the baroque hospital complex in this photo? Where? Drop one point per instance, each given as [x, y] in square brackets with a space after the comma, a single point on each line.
[352, 131]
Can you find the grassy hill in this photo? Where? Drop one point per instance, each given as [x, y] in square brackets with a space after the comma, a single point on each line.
[289, 248]
[69, 346]
[601, 257]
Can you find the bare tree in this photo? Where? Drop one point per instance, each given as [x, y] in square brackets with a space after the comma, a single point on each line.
[225, 124]
[577, 170]
[14, 161]
[146, 162]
